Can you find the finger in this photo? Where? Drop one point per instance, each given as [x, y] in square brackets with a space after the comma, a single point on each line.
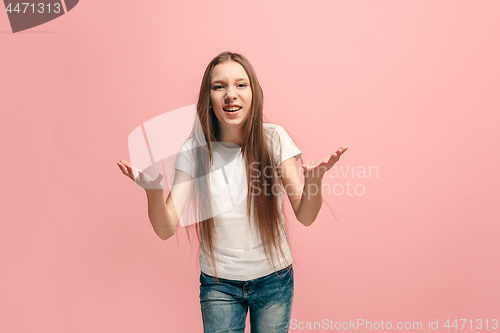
[147, 182]
[125, 163]
[138, 175]
[342, 150]
[331, 161]
[158, 179]
[124, 169]
[121, 166]
[127, 168]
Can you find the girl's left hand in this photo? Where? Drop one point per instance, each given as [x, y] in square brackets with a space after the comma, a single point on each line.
[320, 168]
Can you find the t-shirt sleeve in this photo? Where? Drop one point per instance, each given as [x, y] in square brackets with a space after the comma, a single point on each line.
[284, 148]
[185, 159]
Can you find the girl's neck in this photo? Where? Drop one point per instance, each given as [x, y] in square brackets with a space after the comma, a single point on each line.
[232, 135]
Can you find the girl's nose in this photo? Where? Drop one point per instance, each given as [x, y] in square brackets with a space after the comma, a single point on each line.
[230, 94]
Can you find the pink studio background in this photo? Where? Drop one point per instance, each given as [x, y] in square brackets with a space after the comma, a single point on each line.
[411, 86]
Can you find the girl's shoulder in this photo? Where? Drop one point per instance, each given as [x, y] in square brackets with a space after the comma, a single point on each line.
[191, 143]
[270, 128]
[274, 131]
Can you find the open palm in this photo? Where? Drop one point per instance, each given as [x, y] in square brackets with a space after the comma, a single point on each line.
[321, 167]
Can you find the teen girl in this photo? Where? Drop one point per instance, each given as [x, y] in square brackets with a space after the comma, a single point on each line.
[245, 257]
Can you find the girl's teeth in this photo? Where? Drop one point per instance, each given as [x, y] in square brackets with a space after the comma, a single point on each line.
[232, 109]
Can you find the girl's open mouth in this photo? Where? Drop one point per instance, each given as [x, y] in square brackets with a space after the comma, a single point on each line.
[232, 111]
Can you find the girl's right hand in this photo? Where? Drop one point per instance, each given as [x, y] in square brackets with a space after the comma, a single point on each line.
[141, 179]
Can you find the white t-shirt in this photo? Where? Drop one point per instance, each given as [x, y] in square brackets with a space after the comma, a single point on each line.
[239, 250]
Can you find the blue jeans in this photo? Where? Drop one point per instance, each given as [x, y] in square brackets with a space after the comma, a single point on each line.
[224, 305]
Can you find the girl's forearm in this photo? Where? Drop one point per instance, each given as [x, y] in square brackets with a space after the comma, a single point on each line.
[163, 224]
[311, 200]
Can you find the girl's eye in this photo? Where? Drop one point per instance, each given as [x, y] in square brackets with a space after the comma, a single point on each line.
[241, 85]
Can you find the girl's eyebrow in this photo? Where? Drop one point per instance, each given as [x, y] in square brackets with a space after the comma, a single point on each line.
[222, 81]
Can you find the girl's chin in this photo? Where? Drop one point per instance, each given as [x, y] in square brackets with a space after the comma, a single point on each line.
[232, 117]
